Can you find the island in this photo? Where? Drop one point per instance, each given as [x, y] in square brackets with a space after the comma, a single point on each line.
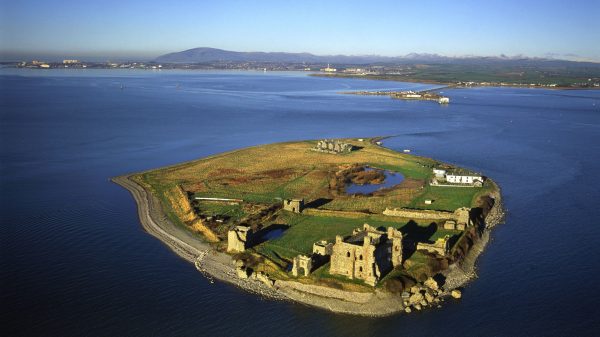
[345, 225]
[423, 95]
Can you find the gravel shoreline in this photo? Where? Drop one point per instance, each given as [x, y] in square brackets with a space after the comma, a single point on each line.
[220, 266]
[208, 261]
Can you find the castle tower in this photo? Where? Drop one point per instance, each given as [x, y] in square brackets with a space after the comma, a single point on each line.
[395, 237]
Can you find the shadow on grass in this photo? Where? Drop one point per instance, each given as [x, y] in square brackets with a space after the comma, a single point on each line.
[271, 232]
[318, 203]
[413, 234]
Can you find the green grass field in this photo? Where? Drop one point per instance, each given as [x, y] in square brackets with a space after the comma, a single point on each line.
[448, 198]
[305, 230]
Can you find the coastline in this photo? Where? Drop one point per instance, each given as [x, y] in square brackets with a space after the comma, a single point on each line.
[450, 85]
[220, 266]
[459, 274]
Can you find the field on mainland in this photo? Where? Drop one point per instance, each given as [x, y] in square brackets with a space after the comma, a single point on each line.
[565, 75]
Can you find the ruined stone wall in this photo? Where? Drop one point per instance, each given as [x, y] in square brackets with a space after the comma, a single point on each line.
[382, 261]
[234, 243]
[328, 292]
[395, 238]
[323, 248]
[302, 262]
[355, 261]
[365, 265]
[293, 205]
[462, 216]
[342, 258]
[238, 239]
[431, 248]
[327, 212]
[418, 214]
[440, 246]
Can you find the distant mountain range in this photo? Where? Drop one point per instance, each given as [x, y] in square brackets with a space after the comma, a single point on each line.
[208, 55]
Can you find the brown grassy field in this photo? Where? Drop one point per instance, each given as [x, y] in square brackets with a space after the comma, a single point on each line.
[267, 173]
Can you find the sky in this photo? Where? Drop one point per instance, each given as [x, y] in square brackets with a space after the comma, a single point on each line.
[120, 29]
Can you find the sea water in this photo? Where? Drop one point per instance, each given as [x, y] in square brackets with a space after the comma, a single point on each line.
[75, 260]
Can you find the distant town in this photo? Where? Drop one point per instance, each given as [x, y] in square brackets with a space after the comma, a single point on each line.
[529, 74]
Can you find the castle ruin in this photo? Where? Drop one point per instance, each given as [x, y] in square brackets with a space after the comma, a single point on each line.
[440, 247]
[239, 238]
[457, 220]
[333, 146]
[368, 254]
[302, 262]
[323, 248]
[293, 205]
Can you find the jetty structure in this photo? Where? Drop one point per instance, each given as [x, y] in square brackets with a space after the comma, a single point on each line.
[277, 220]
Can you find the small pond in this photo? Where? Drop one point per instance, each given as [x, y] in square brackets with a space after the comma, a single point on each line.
[391, 179]
[272, 232]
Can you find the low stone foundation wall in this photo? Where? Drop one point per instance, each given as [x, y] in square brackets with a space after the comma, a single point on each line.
[355, 297]
[327, 212]
[418, 214]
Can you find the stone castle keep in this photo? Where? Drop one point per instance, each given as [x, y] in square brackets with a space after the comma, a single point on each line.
[441, 246]
[293, 205]
[239, 238]
[368, 254]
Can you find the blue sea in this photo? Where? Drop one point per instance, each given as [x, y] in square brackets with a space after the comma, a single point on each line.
[76, 262]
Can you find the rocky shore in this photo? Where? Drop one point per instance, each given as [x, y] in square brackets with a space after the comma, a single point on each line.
[461, 273]
[220, 266]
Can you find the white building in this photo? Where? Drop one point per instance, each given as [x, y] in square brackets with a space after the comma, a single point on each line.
[443, 175]
[439, 173]
[460, 179]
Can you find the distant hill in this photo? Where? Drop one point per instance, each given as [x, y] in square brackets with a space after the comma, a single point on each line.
[203, 54]
[208, 55]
